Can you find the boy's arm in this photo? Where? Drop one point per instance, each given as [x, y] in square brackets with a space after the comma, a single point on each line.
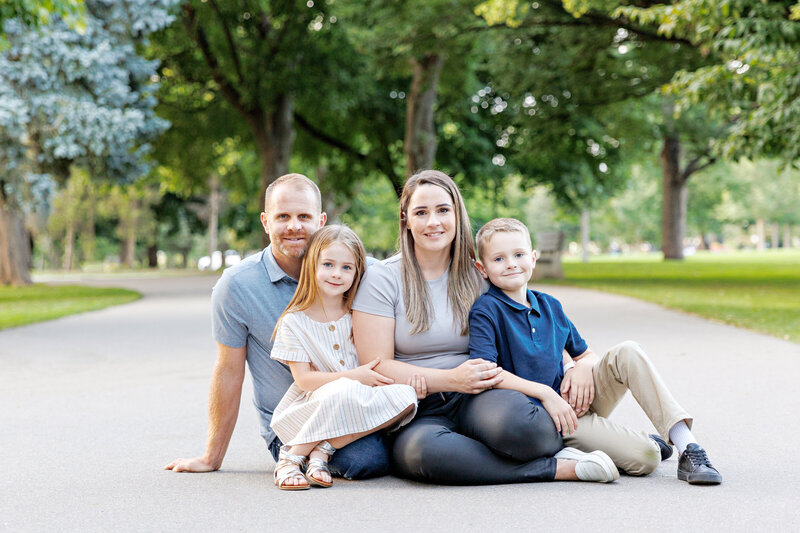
[482, 336]
[566, 359]
[483, 344]
[563, 415]
[577, 387]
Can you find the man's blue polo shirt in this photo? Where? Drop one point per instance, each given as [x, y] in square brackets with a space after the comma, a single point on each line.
[526, 341]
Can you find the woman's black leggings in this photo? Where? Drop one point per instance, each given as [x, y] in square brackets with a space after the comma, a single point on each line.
[497, 436]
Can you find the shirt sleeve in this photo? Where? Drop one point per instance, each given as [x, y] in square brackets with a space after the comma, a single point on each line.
[575, 344]
[229, 314]
[482, 336]
[287, 346]
[377, 293]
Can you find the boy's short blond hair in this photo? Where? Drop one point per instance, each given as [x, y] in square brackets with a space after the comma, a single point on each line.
[499, 225]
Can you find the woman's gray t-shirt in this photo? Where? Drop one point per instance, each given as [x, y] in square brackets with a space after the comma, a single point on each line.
[381, 293]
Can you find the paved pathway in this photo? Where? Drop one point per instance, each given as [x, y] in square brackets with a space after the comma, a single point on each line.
[93, 405]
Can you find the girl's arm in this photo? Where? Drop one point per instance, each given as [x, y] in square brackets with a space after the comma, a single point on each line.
[374, 337]
[309, 379]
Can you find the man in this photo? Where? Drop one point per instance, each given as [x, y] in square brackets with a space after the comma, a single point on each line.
[245, 305]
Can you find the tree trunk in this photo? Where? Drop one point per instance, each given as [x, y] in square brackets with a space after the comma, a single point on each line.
[130, 244]
[274, 133]
[705, 240]
[184, 257]
[761, 232]
[15, 251]
[787, 235]
[88, 236]
[123, 252]
[675, 196]
[69, 245]
[419, 145]
[330, 204]
[775, 237]
[585, 234]
[213, 217]
[152, 256]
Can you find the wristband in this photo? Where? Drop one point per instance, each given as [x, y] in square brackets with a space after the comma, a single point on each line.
[568, 366]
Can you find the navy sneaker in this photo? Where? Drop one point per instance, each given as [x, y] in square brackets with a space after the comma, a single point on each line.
[694, 467]
[663, 447]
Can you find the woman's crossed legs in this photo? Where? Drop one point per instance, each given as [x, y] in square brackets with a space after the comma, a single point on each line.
[497, 436]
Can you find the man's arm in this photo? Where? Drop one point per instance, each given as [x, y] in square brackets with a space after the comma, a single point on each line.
[223, 409]
[374, 337]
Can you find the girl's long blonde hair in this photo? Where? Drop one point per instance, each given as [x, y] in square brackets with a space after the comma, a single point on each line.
[307, 290]
[463, 283]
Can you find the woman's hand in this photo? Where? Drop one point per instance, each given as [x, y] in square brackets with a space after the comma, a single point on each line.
[366, 375]
[475, 375]
[418, 383]
[563, 415]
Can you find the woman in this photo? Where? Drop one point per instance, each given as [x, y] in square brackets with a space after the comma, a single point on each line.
[412, 311]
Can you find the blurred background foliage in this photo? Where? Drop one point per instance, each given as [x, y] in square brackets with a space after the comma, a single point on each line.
[143, 133]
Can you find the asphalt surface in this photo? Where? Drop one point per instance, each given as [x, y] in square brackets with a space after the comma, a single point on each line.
[93, 406]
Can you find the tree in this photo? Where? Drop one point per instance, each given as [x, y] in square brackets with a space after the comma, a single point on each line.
[34, 14]
[263, 64]
[748, 82]
[602, 61]
[73, 215]
[771, 192]
[72, 98]
[130, 207]
[751, 81]
[414, 41]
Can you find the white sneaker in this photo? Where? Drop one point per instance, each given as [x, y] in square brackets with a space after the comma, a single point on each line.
[593, 466]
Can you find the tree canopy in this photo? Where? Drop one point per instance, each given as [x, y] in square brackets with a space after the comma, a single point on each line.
[73, 97]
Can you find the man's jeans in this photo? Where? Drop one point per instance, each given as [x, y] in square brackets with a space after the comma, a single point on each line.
[367, 457]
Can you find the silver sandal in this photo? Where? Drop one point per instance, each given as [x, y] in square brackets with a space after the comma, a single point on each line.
[316, 465]
[290, 466]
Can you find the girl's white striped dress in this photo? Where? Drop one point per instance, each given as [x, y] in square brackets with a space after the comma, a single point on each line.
[341, 407]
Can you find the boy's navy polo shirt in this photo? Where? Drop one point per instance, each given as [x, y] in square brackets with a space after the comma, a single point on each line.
[526, 341]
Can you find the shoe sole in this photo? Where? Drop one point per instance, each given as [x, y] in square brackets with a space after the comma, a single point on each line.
[598, 457]
[699, 479]
[314, 482]
[293, 487]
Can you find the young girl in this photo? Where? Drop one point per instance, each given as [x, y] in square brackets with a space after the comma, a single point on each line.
[332, 401]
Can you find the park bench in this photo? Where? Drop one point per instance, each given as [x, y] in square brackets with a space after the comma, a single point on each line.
[549, 245]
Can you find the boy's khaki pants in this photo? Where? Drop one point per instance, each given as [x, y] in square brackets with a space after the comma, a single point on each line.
[626, 367]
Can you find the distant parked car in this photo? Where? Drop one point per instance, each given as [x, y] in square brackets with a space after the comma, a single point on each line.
[214, 262]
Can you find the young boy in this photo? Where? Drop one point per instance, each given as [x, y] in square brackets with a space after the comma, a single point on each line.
[526, 332]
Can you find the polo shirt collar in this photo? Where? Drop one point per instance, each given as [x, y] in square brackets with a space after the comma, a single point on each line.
[273, 270]
[503, 297]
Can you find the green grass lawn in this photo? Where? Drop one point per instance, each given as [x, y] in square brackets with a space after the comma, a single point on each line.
[35, 303]
[758, 291]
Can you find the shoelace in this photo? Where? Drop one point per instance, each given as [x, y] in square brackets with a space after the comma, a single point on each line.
[698, 457]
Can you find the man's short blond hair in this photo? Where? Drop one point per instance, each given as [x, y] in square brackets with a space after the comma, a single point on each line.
[499, 225]
[298, 180]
